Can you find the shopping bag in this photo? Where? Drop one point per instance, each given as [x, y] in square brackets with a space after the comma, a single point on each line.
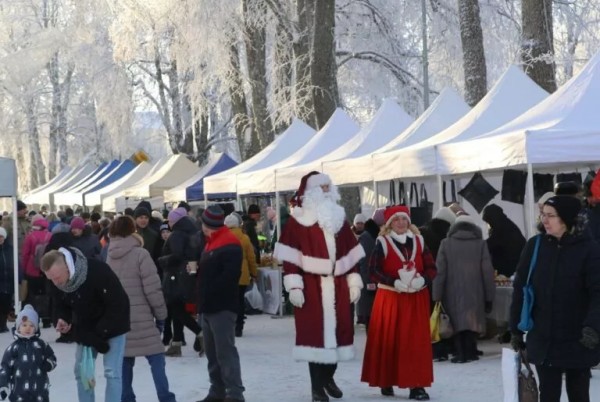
[478, 192]
[254, 297]
[87, 368]
[510, 371]
[421, 209]
[513, 186]
[446, 329]
[434, 323]
[528, 390]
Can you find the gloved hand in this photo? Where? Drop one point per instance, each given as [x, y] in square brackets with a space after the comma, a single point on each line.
[93, 340]
[516, 342]
[400, 286]
[3, 393]
[488, 307]
[354, 294]
[406, 276]
[589, 338]
[48, 365]
[160, 325]
[297, 297]
[418, 282]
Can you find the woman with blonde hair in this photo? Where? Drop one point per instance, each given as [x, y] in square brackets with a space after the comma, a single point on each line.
[398, 350]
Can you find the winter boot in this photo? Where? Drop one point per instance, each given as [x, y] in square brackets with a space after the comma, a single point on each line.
[418, 394]
[459, 345]
[330, 386]
[199, 344]
[387, 391]
[317, 377]
[174, 350]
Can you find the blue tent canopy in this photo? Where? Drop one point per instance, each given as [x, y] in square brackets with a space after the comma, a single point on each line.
[195, 192]
[124, 167]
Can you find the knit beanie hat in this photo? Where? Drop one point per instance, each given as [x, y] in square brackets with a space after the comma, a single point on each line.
[359, 218]
[445, 214]
[21, 205]
[157, 215]
[253, 209]
[176, 215]
[545, 197]
[184, 205]
[233, 220]
[164, 226]
[3, 232]
[378, 216]
[567, 207]
[213, 217]
[141, 211]
[78, 223]
[28, 314]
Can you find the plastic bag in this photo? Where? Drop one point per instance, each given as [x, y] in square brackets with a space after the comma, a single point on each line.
[434, 323]
[511, 363]
[254, 297]
[87, 368]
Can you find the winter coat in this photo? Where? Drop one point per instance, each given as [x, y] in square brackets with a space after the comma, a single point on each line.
[7, 272]
[433, 233]
[505, 242]
[465, 278]
[88, 244]
[150, 237]
[249, 227]
[32, 240]
[219, 273]
[248, 260]
[98, 309]
[137, 273]
[185, 244]
[24, 227]
[24, 369]
[367, 296]
[566, 287]
[592, 226]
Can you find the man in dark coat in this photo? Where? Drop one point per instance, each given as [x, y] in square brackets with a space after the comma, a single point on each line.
[88, 295]
[367, 293]
[218, 276]
[151, 237]
[505, 242]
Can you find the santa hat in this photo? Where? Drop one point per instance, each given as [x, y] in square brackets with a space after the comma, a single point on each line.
[308, 182]
[396, 210]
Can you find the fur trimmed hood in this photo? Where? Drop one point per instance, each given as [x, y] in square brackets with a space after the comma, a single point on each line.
[465, 230]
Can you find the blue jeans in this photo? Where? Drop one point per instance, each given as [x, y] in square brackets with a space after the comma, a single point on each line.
[113, 365]
[161, 383]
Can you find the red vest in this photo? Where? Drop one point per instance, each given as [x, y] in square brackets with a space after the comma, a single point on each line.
[393, 262]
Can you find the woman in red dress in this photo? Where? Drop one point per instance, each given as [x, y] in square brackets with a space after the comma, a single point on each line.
[398, 351]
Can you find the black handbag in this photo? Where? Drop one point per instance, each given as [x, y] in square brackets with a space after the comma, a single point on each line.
[421, 209]
[514, 183]
[528, 389]
[452, 193]
[478, 192]
[542, 183]
[574, 177]
[401, 193]
[392, 192]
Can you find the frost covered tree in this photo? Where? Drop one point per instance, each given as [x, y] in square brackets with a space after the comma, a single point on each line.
[537, 44]
[474, 65]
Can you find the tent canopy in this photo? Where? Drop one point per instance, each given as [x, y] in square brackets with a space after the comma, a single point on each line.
[104, 196]
[339, 129]
[56, 179]
[8, 177]
[564, 128]
[74, 194]
[513, 94]
[285, 145]
[446, 109]
[46, 196]
[193, 188]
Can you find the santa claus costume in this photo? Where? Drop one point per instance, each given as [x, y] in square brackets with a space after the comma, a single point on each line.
[398, 350]
[320, 254]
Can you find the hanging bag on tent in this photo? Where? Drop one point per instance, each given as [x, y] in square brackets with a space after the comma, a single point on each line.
[478, 192]
[392, 192]
[526, 322]
[514, 183]
[401, 193]
[452, 193]
[421, 209]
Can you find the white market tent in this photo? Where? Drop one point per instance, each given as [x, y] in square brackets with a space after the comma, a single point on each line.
[174, 171]
[8, 188]
[339, 130]
[446, 109]
[56, 179]
[74, 194]
[133, 177]
[46, 196]
[284, 146]
[389, 120]
[513, 94]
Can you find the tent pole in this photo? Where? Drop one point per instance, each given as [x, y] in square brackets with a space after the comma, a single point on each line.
[530, 202]
[280, 275]
[376, 194]
[15, 240]
[440, 186]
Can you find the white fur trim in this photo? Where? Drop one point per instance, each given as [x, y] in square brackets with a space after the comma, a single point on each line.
[314, 355]
[69, 260]
[349, 261]
[315, 180]
[383, 243]
[354, 280]
[305, 217]
[404, 214]
[293, 281]
[345, 352]
[330, 243]
[467, 219]
[319, 266]
[283, 252]
[329, 320]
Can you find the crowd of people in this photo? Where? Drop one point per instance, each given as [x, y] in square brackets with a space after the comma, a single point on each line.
[121, 288]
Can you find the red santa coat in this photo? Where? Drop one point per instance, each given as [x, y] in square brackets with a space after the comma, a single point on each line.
[324, 327]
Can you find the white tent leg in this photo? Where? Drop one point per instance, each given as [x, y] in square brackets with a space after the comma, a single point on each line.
[440, 185]
[15, 240]
[530, 203]
[280, 275]
[376, 194]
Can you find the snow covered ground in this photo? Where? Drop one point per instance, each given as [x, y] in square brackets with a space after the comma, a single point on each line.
[270, 374]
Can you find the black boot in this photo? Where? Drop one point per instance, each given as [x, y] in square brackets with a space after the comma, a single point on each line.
[387, 391]
[459, 345]
[330, 386]
[317, 377]
[418, 394]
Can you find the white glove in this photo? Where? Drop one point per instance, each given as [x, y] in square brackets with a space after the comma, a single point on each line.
[400, 286]
[354, 294]
[406, 276]
[418, 282]
[297, 297]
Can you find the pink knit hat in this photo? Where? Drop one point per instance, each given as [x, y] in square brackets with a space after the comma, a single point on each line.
[78, 223]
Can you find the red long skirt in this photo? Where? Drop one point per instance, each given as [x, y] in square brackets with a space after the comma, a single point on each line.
[398, 351]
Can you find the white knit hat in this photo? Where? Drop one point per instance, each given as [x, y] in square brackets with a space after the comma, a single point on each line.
[233, 220]
[445, 214]
[359, 218]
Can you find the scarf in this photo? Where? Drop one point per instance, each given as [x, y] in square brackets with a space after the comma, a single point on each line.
[77, 269]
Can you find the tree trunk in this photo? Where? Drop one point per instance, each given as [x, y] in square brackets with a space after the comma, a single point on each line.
[187, 120]
[323, 63]
[37, 171]
[572, 42]
[239, 107]
[52, 68]
[65, 90]
[471, 37]
[186, 141]
[537, 48]
[201, 122]
[282, 92]
[257, 72]
[173, 136]
[305, 105]
[350, 200]
[21, 163]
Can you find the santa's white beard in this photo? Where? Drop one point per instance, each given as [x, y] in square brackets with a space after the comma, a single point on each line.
[330, 215]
